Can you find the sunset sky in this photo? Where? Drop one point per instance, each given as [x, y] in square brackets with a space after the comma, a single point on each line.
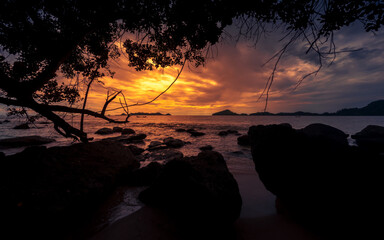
[235, 77]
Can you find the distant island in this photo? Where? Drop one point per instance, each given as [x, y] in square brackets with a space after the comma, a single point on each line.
[375, 108]
[225, 112]
[144, 113]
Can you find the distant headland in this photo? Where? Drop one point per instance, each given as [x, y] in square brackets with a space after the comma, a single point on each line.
[145, 113]
[375, 108]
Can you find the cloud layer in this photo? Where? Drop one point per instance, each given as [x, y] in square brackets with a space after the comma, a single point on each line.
[236, 76]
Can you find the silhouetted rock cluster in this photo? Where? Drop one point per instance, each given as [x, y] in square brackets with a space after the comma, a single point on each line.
[46, 191]
[199, 192]
[318, 178]
[192, 131]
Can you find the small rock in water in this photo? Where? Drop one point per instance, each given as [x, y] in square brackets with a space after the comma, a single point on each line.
[104, 131]
[127, 131]
[230, 131]
[197, 134]
[206, 147]
[243, 140]
[22, 126]
[156, 145]
[180, 130]
[173, 143]
[117, 129]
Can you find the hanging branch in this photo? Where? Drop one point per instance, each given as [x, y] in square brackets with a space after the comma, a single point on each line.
[109, 100]
[154, 99]
[85, 103]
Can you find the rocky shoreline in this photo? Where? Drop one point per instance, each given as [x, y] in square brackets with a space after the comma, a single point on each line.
[319, 180]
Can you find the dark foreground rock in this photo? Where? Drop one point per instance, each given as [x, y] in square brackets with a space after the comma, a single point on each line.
[199, 192]
[48, 192]
[319, 181]
[24, 141]
[371, 138]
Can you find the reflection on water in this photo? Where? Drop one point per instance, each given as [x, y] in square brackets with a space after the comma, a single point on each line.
[159, 127]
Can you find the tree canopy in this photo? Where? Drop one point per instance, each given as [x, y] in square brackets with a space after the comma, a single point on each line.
[42, 39]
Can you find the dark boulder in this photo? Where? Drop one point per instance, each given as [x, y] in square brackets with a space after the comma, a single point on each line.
[45, 191]
[25, 141]
[117, 129]
[318, 181]
[227, 132]
[371, 137]
[199, 192]
[22, 126]
[243, 140]
[104, 131]
[206, 148]
[223, 133]
[180, 130]
[326, 133]
[156, 145]
[173, 143]
[136, 138]
[197, 134]
[127, 131]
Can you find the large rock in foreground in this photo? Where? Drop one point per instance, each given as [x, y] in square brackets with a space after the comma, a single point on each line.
[371, 137]
[199, 192]
[51, 190]
[318, 179]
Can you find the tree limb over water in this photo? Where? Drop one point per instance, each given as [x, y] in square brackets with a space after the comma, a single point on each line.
[41, 40]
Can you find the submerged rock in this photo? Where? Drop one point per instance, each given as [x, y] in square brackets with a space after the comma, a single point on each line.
[22, 126]
[133, 138]
[25, 141]
[199, 192]
[173, 143]
[104, 131]
[127, 131]
[197, 134]
[227, 132]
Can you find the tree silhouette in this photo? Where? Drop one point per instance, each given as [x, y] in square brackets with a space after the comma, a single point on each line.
[41, 40]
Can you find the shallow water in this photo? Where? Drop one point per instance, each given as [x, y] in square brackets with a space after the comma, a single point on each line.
[238, 158]
[159, 127]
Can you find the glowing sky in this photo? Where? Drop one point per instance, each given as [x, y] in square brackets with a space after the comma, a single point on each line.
[235, 77]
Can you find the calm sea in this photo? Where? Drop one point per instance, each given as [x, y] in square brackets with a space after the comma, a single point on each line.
[159, 127]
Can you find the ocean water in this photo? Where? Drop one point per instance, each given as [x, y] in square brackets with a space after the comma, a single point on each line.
[238, 158]
[159, 127]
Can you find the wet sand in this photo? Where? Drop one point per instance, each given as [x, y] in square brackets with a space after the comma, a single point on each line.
[258, 219]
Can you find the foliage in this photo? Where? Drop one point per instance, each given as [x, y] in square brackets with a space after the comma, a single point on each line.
[41, 38]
